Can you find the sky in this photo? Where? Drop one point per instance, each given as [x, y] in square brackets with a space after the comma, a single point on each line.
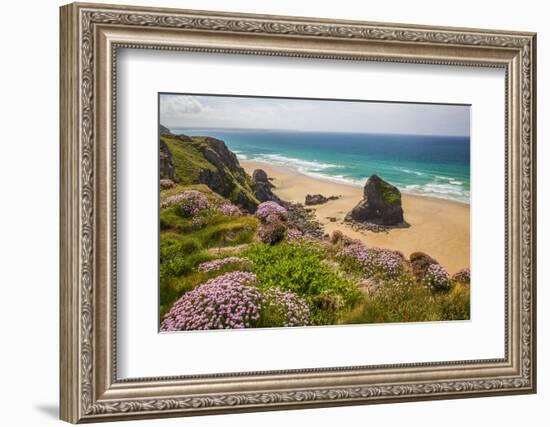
[232, 112]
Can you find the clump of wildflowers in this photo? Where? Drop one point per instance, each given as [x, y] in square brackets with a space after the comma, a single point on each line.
[462, 276]
[269, 211]
[229, 209]
[437, 278]
[189, 203]
[375, 260]
[285, 308]
[272, 232]
[225, 302]
[218, 263]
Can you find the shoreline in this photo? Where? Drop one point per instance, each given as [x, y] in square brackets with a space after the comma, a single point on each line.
[340, 180]
[438, 227]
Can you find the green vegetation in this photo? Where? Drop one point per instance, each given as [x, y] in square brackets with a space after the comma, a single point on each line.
[300, 268]
[407, 301]
[184, 242]
[299, 280]
[390, 194]
[391, 197]
[188, 160]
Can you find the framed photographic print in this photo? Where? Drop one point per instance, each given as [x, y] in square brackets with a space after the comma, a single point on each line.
[265, 212]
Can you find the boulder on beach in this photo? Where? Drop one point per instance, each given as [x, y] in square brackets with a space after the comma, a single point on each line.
[259, 175]
[381, 203]
[315, 199]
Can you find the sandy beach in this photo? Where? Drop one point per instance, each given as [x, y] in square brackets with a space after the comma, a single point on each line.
[440, 228]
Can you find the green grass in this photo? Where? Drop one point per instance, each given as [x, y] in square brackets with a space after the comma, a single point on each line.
[406, 301]
[187, 159]
[301, 269]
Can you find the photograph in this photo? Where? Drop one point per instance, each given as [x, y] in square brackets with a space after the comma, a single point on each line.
[297, 212]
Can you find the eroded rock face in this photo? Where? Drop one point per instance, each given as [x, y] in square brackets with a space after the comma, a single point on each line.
[419, 263]
[381, 203]
[315, 199]
[262, 187]
[227, 177]
[166, 165]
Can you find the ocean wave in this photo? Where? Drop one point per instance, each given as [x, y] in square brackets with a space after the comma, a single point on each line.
[418, 173]
[339, 179]
[439, 190]
[300, 164]
[439, 186]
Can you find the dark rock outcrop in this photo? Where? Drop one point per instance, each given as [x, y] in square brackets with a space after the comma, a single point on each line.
[260, 176]
[419, 264]
[227, 177]
[315, 199]
[262, 187]
[303, 219]
[381, 204]
[166, 164]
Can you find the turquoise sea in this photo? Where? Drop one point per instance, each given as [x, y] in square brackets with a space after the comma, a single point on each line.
[437, 166]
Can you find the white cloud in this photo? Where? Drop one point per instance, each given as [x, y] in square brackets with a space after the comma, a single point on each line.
[193, 111]
[175, 109]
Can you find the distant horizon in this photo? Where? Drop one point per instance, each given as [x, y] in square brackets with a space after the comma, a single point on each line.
[171, 128]
[313, 115]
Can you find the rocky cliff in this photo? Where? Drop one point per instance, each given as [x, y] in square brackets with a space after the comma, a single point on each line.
[206, 160]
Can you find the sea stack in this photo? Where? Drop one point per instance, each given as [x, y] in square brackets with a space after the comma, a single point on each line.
[381, 203]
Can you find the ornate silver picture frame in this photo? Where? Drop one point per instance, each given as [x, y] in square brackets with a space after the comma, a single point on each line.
[91, 36]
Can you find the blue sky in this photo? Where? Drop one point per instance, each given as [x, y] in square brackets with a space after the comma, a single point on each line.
[205, 111]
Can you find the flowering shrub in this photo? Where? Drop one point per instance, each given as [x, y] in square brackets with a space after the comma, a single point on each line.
[225, 302]
[272, 232]
[284, 308]
[272, 218]
[218, 263]
[437, 278]
[375, 260]
[190, 202]
[229, 209]
[462, 276]
[269, 211]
